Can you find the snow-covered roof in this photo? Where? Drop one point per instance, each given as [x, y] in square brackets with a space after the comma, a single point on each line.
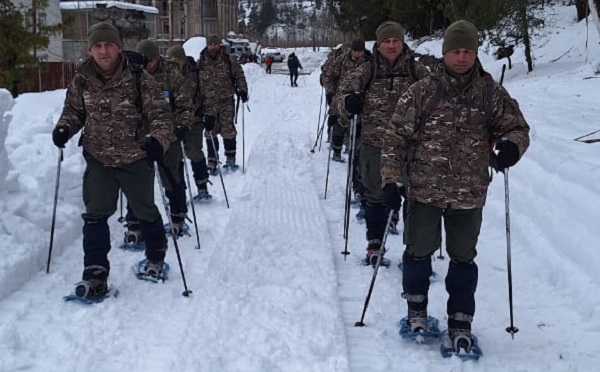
[74, 5]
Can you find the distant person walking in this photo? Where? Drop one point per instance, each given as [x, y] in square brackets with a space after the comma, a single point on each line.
[293, 65]
[269, 63]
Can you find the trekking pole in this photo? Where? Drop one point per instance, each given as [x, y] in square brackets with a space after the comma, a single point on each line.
[189, 185]
[382, 251]
[186, 292]
[510, 329]
[237, 107]
[325, 115]
[327, 174]
[60, 159]
[319, 130]
[349, 186]
[243, 143]
[212, 140]
[502, 74]
[121, 219]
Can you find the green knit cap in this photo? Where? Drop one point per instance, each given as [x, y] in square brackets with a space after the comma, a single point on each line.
[104, 32]
[148, 48]
[389, 29]
[213, 39]
[461, 35]
[176, 52]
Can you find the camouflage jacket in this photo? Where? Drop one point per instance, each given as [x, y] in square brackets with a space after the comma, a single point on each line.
[382, 85]
[177, 90]
[219, 80]
[446, 163]
[113, 129]
[339, 65]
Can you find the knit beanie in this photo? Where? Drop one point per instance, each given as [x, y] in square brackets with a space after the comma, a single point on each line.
[358, 45]
[148, 48]
[461, 35]
[105, 32]
[213, 39]
[389, 29]
[176, 52]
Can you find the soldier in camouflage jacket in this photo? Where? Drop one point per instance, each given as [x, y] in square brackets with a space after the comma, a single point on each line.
[338, 65]
[179, 93]
[220, 77]
[372, 91]
[442, 158]
[119, 145]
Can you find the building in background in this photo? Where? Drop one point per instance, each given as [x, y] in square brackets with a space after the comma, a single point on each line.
[135, 22]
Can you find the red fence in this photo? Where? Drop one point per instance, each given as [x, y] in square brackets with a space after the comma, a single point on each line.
[48, 76]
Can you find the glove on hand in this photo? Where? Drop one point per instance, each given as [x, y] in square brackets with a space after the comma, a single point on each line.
[508, 154]
[354, 103]
[329, 98]
[181, 131]
[153, 149]
[60, 136]
[391, 195]
[209, 123]
[244, 96]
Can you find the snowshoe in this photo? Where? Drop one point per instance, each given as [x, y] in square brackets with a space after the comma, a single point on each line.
[203, 196]
[393, 229]
[87, 292]
[460, 343]
[151, 271]
[360, 215]
[337, 157]
[230, 165]
[432, 331]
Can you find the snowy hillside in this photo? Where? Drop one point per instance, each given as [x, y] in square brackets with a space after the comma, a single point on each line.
[271, 291]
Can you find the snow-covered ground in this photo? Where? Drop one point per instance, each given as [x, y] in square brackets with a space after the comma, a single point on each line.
[271, 291]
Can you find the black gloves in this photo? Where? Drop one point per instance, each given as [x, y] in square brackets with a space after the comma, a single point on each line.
[244, 96]
[153, 149]
[354, 103]
[60, 136]
[331, 121]
[508, 154]
[181, 131]
[329, 98]
[391, 195]
[209, 123]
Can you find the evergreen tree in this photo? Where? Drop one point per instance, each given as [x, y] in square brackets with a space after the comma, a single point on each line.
[18, 42]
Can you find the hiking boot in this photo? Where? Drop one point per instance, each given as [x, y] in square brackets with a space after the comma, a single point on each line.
[211, 166]
[459, 331]
[178, 221]
[230, 162]
[202, 191]
[461, 339]
[94, 282]
[153, 269]
[337, 156]
[417, 320]
[133, 235]
[373, 249]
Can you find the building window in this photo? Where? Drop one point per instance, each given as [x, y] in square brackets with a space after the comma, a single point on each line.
[42, 19]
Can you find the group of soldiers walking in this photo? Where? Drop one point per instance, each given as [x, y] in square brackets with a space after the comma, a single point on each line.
[133, 117]
[425, 134]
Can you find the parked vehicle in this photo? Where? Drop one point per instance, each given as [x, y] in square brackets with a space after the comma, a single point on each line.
[275, 53]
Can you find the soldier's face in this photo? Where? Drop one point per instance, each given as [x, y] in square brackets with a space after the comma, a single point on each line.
[213, 49]
[460, 61]
[357, 54]
[390, 48]
[106, 55]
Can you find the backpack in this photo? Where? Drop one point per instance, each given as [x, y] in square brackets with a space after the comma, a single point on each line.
[193, 68]
[268, 60]
[138, 63]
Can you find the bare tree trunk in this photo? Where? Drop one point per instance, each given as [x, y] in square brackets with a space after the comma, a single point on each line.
[524, 26]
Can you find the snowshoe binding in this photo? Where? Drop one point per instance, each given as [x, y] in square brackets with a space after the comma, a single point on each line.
[420, 328]
[460, 343]
[151, 271]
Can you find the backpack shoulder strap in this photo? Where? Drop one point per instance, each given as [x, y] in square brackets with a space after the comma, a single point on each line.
[137, 71]
[81, 83]
[431, 104]
[488, 100]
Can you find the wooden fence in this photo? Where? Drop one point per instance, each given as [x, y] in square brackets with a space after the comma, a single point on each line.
[47, 76]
